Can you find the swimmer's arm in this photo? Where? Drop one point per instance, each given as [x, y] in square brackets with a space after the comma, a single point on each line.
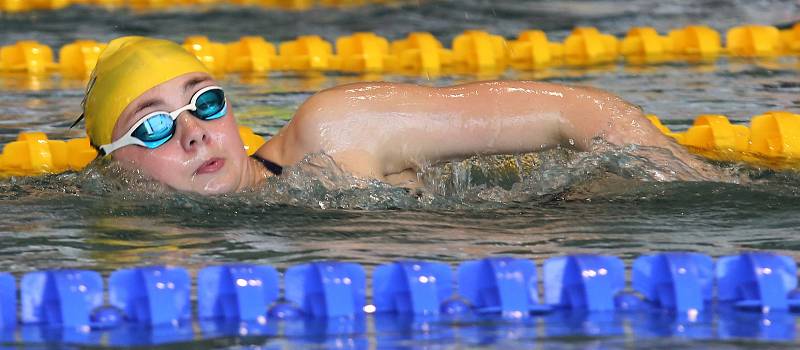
[375, 129]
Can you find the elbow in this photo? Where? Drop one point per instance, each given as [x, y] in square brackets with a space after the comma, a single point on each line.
[597, 114]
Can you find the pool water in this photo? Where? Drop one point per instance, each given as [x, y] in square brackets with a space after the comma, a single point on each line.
[557, 203]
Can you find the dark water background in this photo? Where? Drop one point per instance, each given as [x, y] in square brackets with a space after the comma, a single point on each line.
[475, 208]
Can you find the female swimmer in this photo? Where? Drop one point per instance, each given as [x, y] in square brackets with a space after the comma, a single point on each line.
[154, 107]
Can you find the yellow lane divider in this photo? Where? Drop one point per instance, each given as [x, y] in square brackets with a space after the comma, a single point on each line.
[17, 6]
[473, 51]
[772, 140]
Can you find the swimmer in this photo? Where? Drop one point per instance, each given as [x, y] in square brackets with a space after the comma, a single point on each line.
[153, 107]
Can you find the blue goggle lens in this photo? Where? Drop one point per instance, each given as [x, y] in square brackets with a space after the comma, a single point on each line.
[210, 105]
[156, 130]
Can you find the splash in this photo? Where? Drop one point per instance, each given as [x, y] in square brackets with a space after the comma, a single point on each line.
[490, 181]
[478, 182]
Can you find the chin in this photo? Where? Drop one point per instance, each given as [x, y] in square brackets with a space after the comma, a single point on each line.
[215, 188]
[216, 185]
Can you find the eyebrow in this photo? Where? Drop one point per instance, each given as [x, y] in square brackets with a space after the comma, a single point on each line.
[155, 101]
[192, 83]
[147, 104]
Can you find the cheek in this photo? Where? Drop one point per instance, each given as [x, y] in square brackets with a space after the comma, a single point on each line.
[226, 135]
[167, 164]
[227, 141]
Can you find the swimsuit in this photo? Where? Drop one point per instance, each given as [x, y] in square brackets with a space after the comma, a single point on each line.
[271, 166]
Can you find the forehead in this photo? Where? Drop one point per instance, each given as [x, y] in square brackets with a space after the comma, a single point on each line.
[185, 84]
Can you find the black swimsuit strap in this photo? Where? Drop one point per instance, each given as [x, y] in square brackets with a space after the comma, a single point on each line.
[271, 166]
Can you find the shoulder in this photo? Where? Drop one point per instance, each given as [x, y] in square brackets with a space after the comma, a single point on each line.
[345, 101]
[310, 129]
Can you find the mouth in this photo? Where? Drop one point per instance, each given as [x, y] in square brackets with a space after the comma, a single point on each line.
[210, 166]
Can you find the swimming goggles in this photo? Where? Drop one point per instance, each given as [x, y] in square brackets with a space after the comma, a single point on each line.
[156, 128]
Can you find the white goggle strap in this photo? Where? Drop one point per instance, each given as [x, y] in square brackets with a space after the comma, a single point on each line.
[122, 142]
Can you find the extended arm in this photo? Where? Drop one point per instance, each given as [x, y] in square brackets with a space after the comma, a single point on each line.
[377, 129]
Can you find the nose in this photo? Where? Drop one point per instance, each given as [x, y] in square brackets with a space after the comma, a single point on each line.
[193, 135]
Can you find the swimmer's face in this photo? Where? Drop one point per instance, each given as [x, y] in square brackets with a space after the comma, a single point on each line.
[203, 156]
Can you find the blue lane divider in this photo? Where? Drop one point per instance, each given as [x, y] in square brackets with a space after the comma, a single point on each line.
[750, 295]
[61, 297]
[327, 289]
[411, 287]
[500, 285]
[153, 295]
[756, 280]
[236, 292]
[675, 281]
[8, 301]
[583, 282]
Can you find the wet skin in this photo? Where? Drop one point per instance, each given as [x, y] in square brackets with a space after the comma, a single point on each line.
[388, 131]
[385, 131]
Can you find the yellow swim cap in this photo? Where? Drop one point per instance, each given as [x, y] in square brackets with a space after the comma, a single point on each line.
[127, 68]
